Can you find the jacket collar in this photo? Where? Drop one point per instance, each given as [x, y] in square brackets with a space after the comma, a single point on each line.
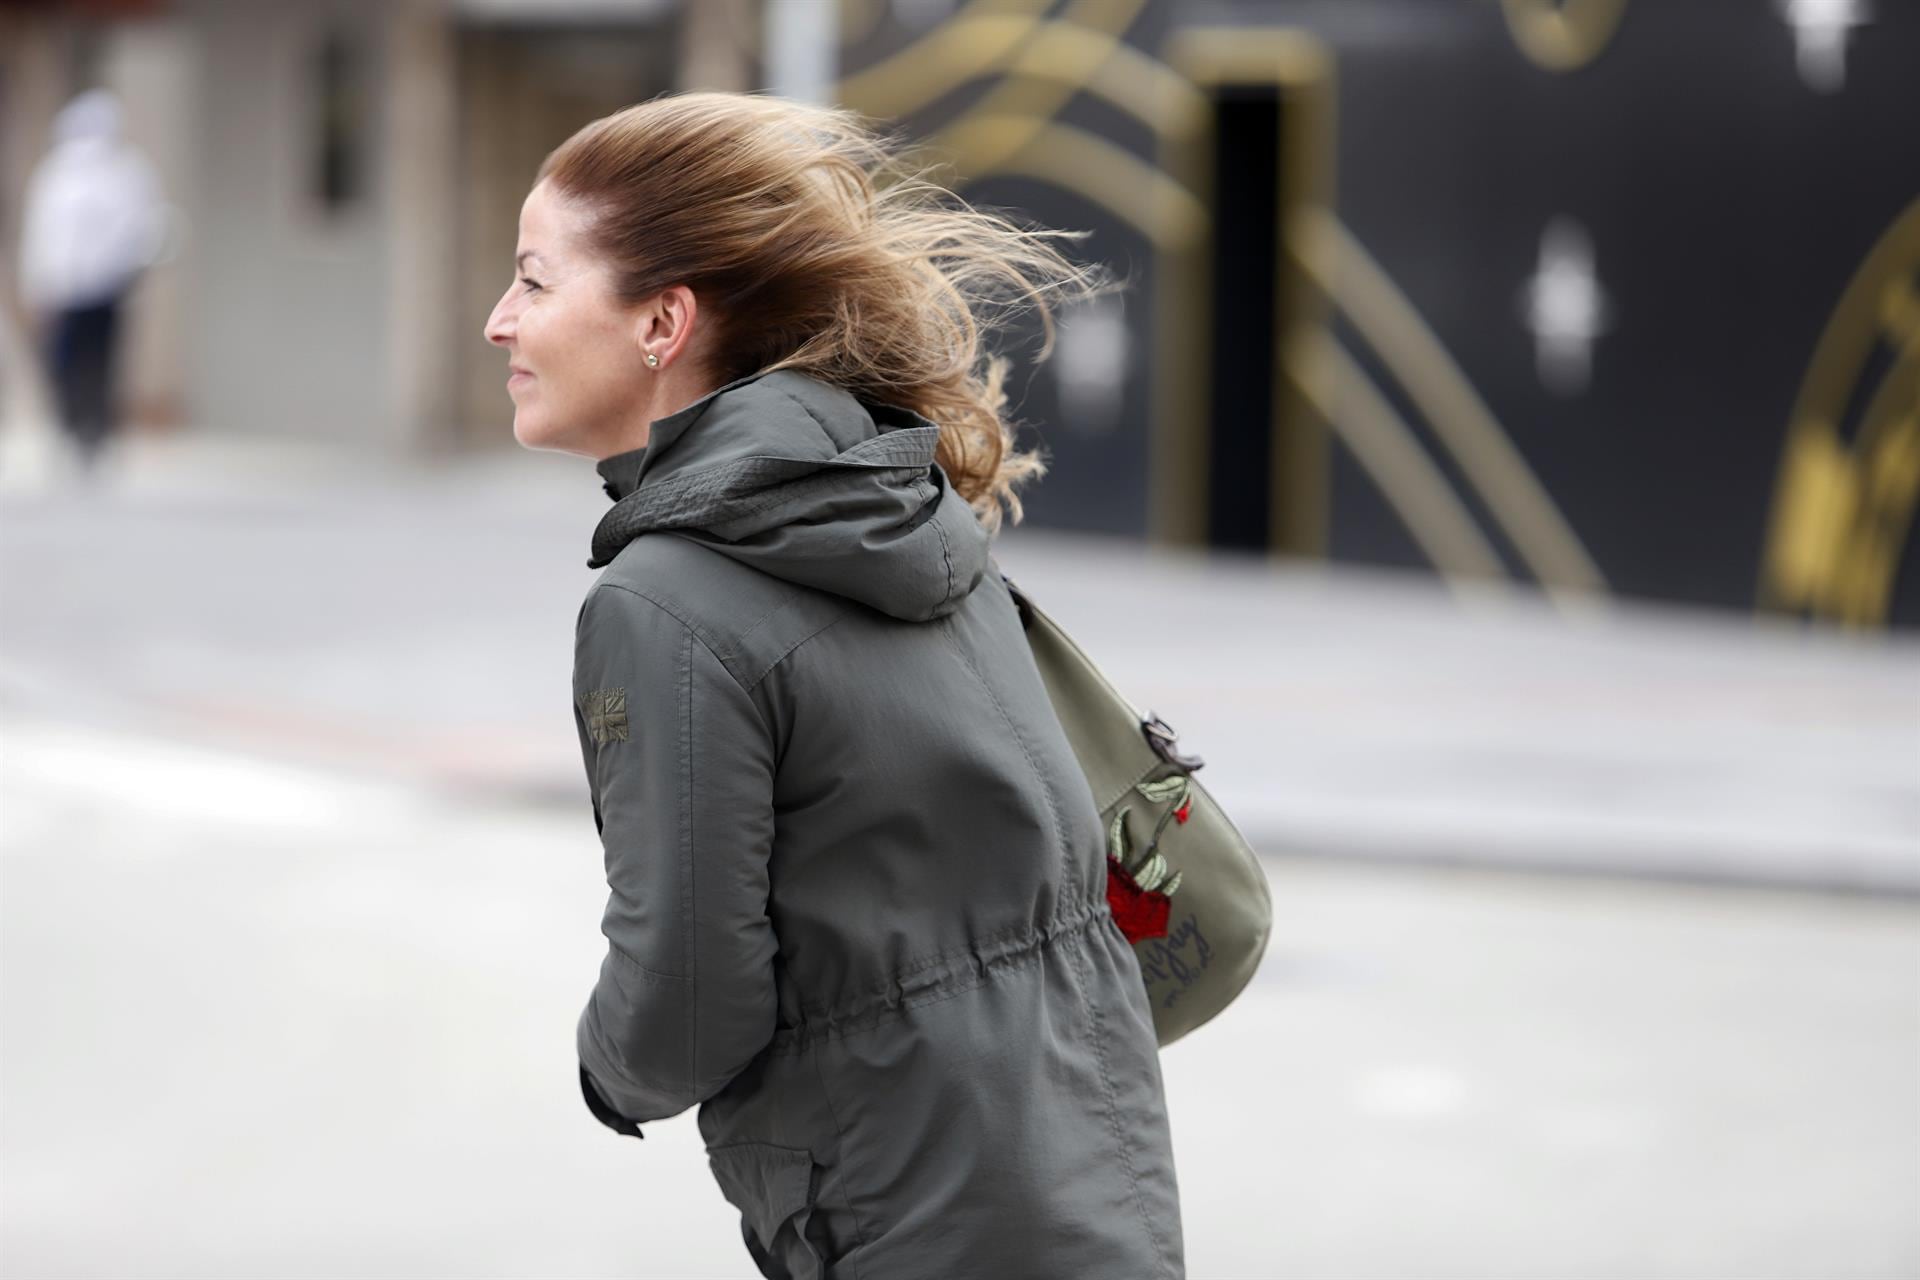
[623, 471]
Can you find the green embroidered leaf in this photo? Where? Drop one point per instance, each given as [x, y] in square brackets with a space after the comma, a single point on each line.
[1153, 873]
[1117, 836]
[1163, 790]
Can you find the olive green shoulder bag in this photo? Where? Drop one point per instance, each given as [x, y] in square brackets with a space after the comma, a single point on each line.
[1185, 888]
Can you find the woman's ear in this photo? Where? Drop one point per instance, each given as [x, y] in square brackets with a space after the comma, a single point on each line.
[667, 325]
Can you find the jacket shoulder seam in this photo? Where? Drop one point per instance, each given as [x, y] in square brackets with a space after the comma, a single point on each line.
[746, 686]
[746, 690]
[692, 627]
[795, 647]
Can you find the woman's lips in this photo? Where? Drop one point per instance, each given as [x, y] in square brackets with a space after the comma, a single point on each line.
[518, 376]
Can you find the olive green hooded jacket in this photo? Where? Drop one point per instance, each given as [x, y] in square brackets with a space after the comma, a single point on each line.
[858, 883]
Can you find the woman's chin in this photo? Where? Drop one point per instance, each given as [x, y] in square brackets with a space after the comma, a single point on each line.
[531, 432]
[536, 430]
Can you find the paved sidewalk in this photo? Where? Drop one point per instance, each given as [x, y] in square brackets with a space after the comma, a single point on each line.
[267, 1021]
[415, 620]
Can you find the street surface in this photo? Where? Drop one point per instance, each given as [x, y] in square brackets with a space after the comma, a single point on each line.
[263, 1023]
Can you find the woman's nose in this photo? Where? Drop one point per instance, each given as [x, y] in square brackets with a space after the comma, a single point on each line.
[499, 330]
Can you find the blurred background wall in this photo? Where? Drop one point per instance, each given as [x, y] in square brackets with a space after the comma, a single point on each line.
[1600, 295]
[1527, 291]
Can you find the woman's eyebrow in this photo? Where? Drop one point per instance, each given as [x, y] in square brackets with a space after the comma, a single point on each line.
[521, 261]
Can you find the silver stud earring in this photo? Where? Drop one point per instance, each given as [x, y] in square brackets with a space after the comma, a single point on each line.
[653, 361]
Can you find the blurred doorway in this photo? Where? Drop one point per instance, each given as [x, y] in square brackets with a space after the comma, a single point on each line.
[1256, 478]
[1245, 315]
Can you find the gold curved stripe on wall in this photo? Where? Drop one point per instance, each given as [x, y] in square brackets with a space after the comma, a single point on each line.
[1038, 97]
[1562, 35]
[1888, 450]
[1892, 400]
[971, 44]
[1258, 55]
[1466, 426]
[1387, 450]
[1071, 59]
[1087, 165]
[1841, 511]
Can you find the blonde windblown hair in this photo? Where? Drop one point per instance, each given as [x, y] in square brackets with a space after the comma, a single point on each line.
[812, 244]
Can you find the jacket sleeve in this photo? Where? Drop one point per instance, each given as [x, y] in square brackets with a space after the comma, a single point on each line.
[680, 766]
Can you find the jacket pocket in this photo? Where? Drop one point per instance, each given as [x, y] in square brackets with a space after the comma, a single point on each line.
[773, 1188]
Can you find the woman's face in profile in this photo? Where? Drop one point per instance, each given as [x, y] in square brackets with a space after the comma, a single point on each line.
[577, 371]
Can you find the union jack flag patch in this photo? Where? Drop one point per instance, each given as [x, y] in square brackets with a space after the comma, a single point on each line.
[605, 712]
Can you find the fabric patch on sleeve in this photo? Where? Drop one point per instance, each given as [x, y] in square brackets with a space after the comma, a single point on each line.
[605, 711]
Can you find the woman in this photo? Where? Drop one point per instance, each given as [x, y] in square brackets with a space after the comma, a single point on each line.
[858, 883]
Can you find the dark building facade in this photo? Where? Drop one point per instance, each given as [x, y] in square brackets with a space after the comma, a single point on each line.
[1602, 295]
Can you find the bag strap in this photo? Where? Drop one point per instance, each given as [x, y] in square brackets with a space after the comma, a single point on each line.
[1020, 602]
[1160, 735]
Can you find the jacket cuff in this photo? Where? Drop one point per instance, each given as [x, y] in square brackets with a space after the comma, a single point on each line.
[602, 1110]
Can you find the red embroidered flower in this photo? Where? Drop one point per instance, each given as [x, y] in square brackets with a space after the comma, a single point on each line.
[1180, 814]
[1140, 913]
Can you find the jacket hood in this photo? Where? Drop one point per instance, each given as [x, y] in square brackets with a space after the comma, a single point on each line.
[800, 479]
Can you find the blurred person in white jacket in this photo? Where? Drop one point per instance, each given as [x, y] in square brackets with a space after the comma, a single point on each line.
[94, 220]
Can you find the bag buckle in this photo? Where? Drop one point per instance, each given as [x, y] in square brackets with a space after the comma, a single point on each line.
[1161, 737]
